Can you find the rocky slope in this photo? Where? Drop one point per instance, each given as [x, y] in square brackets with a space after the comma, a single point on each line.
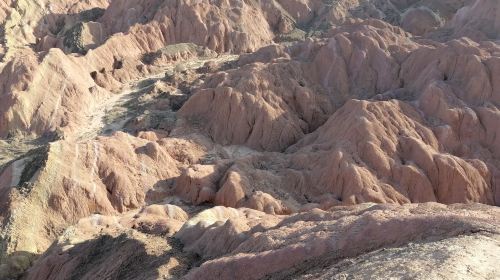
[221, 139]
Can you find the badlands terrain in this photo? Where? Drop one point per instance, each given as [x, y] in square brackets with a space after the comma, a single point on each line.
[249, 139]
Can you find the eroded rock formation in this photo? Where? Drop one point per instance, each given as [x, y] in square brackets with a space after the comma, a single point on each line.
[284, 139]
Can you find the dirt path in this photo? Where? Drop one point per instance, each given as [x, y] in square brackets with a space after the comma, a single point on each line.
[103, 121]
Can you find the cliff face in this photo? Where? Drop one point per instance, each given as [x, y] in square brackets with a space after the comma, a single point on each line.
[221, 139]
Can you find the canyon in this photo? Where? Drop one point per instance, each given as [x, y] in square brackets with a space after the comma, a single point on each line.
[249, 139]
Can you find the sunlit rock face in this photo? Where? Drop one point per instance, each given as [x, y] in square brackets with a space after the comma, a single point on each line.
[224, 139]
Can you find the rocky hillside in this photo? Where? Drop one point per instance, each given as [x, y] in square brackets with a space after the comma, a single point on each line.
[249, 139]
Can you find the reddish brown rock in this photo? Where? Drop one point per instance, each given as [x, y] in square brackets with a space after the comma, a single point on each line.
[259, 134]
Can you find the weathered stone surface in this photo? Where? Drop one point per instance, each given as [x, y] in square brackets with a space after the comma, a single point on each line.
[223, 139]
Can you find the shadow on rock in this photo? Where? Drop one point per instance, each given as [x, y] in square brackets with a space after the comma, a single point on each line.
[130, 255]
[13, 265]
